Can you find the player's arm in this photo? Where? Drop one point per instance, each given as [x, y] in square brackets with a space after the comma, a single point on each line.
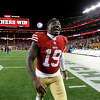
[63, 68]
[32, 54]
[64, 71]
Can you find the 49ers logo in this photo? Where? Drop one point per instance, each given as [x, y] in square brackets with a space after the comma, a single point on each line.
[56, 56]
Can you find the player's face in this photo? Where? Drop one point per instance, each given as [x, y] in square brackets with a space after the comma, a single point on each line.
[54, 28]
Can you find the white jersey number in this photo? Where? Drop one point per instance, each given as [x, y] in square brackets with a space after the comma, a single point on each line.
[54, 57]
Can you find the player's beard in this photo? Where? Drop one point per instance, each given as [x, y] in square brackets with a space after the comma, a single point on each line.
[55, 32]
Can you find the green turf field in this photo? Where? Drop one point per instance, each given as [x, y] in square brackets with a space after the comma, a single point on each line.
[16, 83]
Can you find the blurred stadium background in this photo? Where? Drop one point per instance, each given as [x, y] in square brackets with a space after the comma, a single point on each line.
[83, 33]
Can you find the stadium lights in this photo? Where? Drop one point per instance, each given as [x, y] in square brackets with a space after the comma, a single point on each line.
[15, 16]
[91, 8]
[98, 30]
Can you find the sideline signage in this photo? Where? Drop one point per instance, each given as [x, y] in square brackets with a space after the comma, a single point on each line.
[9, 21]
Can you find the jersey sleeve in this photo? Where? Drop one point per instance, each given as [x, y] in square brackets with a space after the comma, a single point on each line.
[62, 65]
[35, 37]
[65, 40]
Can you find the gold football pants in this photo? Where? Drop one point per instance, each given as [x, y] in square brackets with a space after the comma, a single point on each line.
[56, 86]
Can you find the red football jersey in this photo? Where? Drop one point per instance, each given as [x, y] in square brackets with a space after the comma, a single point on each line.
[48, 60]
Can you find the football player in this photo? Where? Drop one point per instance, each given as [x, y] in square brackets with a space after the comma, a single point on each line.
[48, 48]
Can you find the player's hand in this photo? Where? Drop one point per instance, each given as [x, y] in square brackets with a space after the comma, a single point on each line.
[65, 76]
[40, 88]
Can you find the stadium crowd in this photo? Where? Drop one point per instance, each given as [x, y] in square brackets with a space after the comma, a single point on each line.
[17, 45]
[87, 43]
[76, 43]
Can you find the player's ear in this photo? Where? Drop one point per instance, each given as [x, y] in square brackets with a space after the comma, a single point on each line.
[48, 29]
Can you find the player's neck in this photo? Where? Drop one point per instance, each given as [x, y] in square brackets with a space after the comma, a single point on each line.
[52, 36]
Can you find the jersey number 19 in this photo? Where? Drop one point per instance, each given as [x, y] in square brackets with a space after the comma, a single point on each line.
[55, 57]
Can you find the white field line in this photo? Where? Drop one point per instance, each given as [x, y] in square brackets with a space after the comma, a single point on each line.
[78, 86]
[12, 56]
[15, 67]
[11, 59]
[89, 82]
[87, 64]
[68, 78]
[71, 77]
[1, 67]
[87, 61]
